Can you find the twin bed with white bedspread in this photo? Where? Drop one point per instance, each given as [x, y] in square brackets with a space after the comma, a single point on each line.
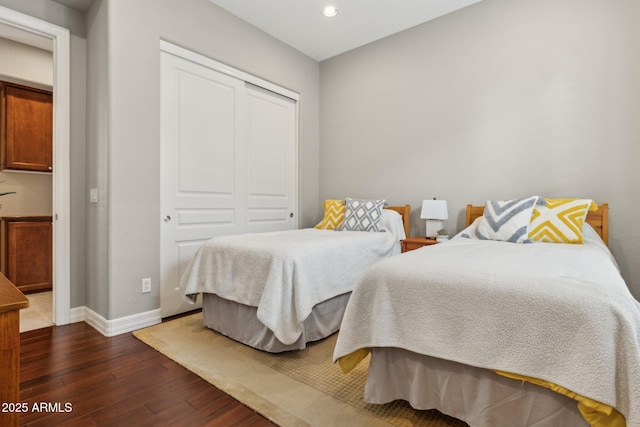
[449, 326]
[276, 291]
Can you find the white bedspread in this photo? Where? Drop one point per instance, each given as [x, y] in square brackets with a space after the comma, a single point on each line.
[557, 312]
[285, 273]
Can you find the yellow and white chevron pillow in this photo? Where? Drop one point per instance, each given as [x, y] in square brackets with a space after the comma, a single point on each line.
[559, 220]
[333, 215]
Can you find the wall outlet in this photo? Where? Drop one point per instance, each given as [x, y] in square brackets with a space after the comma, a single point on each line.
[146, 285]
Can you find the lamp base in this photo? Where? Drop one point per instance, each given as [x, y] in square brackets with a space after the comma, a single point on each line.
[433, 225]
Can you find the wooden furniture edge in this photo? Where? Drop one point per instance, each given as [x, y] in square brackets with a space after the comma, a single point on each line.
[10, 297]
[598, 219]
[27, 218]
[4, 83]
[405, 212]
[11, 301]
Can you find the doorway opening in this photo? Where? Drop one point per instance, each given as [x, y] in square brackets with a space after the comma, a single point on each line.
[35, 30]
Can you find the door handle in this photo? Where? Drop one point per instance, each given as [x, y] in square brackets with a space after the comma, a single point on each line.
[291, 215]
[167, 218]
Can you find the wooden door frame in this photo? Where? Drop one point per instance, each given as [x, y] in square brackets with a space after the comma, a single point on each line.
[61, 153]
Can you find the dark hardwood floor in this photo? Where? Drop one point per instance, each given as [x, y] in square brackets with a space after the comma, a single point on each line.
[76, 376]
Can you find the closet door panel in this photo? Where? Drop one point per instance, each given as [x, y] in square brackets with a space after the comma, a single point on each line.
[202, 167]
[271, 156]
[206, 136]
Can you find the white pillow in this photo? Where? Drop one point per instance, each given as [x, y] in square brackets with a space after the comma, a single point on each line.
[469, 231]
[506, 220]
[391, 221]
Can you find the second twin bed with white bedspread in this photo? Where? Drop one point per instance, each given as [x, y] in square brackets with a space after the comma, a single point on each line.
[502, 334]
[276, 291]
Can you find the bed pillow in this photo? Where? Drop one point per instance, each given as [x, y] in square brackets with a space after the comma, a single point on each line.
[560, 220]
[391, 221]
[333, 215]
[362, 214]
[506, 220]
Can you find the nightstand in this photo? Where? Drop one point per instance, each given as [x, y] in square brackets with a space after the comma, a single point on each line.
[411, 243]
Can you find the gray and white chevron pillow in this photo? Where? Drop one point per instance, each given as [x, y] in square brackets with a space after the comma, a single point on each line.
[362, 214]
[506, 220]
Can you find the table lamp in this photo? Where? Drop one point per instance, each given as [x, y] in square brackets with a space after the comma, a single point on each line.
[434, 211]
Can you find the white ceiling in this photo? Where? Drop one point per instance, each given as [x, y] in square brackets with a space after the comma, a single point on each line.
[300, 23]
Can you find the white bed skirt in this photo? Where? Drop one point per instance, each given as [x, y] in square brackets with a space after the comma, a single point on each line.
[239, 322]
[477, 396]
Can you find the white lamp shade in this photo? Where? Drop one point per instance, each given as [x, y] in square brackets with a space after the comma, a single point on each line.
[434, 209]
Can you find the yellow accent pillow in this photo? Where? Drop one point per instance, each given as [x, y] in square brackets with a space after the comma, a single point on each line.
[559, 220]
[333, 215]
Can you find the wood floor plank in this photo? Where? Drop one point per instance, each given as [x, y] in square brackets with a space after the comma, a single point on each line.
[116, 381]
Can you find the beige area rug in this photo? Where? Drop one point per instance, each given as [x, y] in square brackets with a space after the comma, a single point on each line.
[296, 388]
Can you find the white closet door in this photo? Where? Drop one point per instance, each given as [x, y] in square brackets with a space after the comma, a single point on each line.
[202, 158]
[228, 162]
[271, 156]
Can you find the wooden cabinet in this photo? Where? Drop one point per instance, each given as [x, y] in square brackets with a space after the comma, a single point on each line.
[11, 301]
[26, 128]
[28, 250]
[411, 243]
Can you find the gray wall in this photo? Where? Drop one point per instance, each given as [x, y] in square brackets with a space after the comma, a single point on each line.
[97, 286]
[115, 71]
[503, 99]
[124, 151]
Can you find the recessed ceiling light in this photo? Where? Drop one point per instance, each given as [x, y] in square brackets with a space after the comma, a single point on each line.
[330, 11]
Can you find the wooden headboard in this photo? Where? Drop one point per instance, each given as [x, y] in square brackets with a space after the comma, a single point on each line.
[599, 219]
[405, 211]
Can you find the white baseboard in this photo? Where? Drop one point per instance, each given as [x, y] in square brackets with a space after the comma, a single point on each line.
[77, 314]
[118, 326]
